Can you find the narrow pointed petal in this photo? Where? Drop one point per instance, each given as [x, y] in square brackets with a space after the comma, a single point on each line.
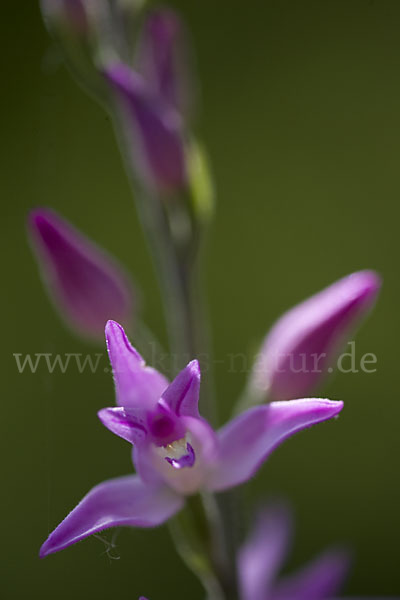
[130, 427]
[261, 557]
[182, 395]
[320, 580]
[248, 440]
[162, 58]
[125, 501]
[87, 287]
[136, 384]
[153, 130]
[302, 344]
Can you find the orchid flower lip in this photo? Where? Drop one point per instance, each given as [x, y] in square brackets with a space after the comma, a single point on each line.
[180, 454]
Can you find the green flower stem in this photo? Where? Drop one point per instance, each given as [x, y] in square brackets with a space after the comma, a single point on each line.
[197, 534]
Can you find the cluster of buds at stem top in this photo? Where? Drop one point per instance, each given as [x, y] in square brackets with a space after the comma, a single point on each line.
[85, 284]
[139, 69]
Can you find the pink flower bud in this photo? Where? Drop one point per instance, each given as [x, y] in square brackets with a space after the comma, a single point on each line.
[299, 349]
[87, 286]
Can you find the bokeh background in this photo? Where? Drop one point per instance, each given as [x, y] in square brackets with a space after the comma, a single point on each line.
[301, 117]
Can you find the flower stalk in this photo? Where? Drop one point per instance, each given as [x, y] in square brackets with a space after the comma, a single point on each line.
[194, 535]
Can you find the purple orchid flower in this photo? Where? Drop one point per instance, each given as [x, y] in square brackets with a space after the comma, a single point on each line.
[153, 129]
[299, 349]
[86, 285]
[262, 555]
[162, 51]
[176, 453]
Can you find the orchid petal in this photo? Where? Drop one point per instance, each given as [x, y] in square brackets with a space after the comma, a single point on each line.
[204, 440]
[87, 286]
[182, 395]
[300, 347]
[246, 441]
[131, 427]
[260, 558]
[114, 503]
[136, 384]
[153, 129]
[317, 581]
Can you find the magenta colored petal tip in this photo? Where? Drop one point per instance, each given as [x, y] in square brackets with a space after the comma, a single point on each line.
[137, 385]
[182, 395]
[113, 332]
[124, 501]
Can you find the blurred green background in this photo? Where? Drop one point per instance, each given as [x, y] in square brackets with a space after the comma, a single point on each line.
[301, 117]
